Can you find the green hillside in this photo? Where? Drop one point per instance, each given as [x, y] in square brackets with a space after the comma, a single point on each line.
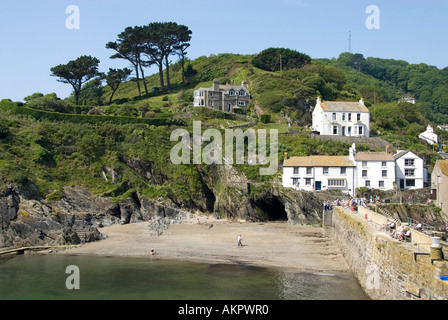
[49, 142]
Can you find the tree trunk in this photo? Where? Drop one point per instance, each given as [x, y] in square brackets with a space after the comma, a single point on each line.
[162, 83]
[112, 95]
[143, 78]
[138, 80]
[182, 62]
[168, 85]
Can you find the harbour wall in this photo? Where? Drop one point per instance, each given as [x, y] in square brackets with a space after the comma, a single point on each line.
[388, 269]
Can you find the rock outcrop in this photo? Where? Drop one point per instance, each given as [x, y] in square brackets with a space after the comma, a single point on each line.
[73, 215]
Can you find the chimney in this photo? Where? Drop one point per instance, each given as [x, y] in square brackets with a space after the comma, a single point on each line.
[216, 85]
[387, 149]
[361, 101]
[244, 84]
[318, 100]
[286, 155]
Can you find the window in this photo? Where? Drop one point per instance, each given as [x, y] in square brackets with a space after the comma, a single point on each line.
[211, 93]
[296, 170]
[368, 183]
[381, 184]
[231, 92]
[335, 129]
[308, 170]
[336, 183]
[383, 163]
[343, 170]
[343, 117]
[334, 116]
[364, 163]
[410, 183]
[308, 181]
[325, 170]
[242, 92]
[241, 103]
[360, 130]
[358, 117]
[295, 181]
[349, 117]
[364, 173]
[408, 162]
[384, 173]
[409, 172]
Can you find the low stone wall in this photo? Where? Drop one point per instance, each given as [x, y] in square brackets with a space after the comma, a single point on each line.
[387, 269]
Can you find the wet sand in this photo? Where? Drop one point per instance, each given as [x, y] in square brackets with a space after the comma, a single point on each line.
[273, 244]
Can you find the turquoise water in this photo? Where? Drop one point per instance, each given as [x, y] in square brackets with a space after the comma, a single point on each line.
[43, 277]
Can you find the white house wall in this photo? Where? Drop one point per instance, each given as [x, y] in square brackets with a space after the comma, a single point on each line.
[316, 177]
[375, 174]
[402, 179]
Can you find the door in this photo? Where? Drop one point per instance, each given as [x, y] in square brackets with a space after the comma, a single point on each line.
[343, 131]
[401, 183]
[318, 185]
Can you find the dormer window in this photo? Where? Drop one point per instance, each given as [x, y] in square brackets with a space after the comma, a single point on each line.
[242, 93]
[231, 92]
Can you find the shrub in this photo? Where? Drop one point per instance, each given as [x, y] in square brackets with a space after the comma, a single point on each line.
[4, 130]
[265, 118]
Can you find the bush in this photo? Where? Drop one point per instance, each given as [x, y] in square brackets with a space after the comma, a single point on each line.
[4, 130]
[265, 118]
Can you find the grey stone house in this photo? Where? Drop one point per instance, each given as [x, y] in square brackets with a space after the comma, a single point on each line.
[227, 98]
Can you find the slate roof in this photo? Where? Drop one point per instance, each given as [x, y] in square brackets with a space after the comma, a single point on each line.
[343, 106]
[319, 161]
[443, 165]
[374, 156]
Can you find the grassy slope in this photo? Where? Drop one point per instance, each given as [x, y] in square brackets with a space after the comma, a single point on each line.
[52, 155]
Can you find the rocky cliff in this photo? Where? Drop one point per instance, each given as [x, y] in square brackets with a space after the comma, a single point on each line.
[74, 215]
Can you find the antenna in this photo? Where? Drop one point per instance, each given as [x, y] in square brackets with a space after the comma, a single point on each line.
[349, 41]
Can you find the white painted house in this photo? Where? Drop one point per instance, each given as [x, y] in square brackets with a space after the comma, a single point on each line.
[315, 173]
[409, 170]
[341, 118]
[430, 136]
[375, 170]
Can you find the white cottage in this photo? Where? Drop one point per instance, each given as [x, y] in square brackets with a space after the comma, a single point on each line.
[375, 170]
[315, 173]
[430, 136]
[409, 170]
[341, 118]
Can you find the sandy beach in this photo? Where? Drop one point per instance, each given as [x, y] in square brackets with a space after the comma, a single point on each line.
[273, 244]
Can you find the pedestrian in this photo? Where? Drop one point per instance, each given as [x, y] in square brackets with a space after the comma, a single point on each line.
[240, 239]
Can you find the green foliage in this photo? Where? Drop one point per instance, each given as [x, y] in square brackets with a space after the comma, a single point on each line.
[275, 59]
[4, 130]
[265, 118]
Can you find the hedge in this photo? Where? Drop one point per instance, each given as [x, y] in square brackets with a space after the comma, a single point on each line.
[80, 118]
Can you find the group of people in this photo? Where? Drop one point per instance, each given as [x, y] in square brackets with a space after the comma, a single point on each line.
[401, 233]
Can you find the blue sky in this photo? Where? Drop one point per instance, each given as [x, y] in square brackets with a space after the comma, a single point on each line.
[34, 37]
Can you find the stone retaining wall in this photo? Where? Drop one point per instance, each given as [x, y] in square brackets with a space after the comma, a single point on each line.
[387, 269]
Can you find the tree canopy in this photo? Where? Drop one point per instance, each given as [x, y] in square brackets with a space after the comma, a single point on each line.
[275, 59]
[76, 73]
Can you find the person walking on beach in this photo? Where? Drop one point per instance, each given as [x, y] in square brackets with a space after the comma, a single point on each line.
[240, 239]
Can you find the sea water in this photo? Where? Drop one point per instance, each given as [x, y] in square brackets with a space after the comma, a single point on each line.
[45, 277]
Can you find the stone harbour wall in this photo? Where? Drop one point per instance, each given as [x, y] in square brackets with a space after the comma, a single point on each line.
[386, 268]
